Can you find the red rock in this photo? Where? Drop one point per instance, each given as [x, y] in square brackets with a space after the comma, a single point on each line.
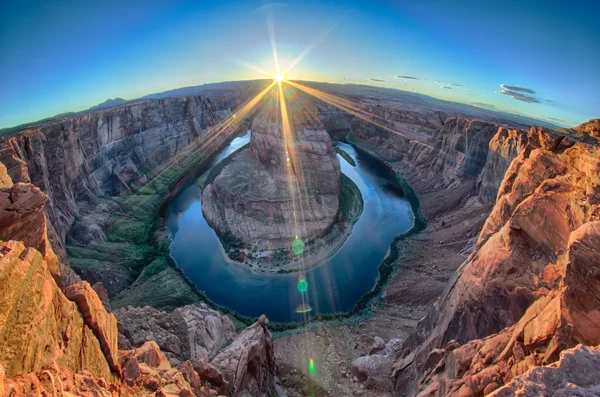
[22, 218]
[544, 227]
[39, 326]
[576, 373]
[103, 324]
[248, 364]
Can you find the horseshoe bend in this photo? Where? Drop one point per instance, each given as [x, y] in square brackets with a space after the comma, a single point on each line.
[279, 190]
[422, 230]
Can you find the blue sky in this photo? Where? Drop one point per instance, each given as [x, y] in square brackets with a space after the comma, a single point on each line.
[69, 55]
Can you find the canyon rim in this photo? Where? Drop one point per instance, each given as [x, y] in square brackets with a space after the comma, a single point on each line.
[381, 199]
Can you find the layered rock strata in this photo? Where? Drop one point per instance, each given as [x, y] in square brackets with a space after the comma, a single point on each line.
[278, 189]
[65, 342]
[249, 363]
[187, 333]
[527, 291]
[458, 151]
[105, 174]
[40, 326]
[105, 152]
[22, 218]
[576, 373]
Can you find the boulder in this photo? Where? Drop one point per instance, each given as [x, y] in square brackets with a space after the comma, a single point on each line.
[188, 333]
[248, 364]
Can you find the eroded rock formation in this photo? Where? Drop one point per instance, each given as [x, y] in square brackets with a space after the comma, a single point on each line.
[576, 373]
[187, 333]
[81, 163]
[64, 342]
[278, 189]
[40, 326]
[102, 153]
[22, 219]
[249, 363]
[528, 291]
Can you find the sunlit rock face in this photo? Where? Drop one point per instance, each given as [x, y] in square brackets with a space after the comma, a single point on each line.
[279, 188]
[529, 289]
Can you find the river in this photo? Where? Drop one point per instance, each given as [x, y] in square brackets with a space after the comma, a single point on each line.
[334, 285]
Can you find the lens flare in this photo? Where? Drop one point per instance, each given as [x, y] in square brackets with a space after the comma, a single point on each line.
[302, 285]
[311, 367]
[298, 246]
[303, 308]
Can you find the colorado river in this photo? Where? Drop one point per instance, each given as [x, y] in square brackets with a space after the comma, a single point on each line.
[334, 285]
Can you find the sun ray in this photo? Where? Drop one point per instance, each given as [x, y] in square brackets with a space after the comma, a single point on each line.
[271, 30]
[310, 47]
[351, 108]
[216, 135]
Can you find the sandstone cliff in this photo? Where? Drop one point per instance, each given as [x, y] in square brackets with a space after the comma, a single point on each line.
[453, 153]
[528, 290]
[65, 342]
[40, 326]
[105, 152]
[277, 190]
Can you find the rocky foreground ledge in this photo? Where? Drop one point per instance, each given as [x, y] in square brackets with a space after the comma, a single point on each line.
[65, 342]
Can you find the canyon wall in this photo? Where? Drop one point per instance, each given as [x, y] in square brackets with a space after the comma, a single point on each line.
[431, 153]
[528, 290]
[107, 152]
[106, 173]
[520, 314]
[64, 341]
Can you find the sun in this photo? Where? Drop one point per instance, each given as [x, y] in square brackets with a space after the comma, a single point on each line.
[278, 77]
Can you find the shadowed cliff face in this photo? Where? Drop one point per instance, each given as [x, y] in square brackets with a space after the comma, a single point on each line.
[105, 152]
[457, 152]
[106, 173]
[529, 287]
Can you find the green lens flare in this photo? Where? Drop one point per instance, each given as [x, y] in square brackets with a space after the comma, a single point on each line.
[302, 285]
[311, 367]
[298, 246]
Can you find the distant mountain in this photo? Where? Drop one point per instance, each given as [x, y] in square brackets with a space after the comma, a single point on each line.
[110, 103]
[207, 89]
[400, 96]
[407, 98]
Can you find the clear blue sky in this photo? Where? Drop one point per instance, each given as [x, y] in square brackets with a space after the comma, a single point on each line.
[59, 56]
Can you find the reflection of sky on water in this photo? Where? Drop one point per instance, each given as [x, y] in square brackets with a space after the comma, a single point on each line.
[334, 285]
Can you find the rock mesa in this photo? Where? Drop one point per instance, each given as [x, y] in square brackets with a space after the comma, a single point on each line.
[277, 189]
